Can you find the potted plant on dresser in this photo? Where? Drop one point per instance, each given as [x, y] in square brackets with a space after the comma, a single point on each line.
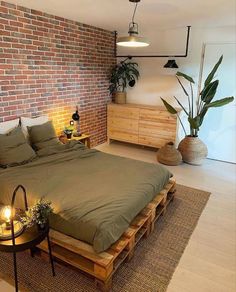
[122, 75]
[193, 150]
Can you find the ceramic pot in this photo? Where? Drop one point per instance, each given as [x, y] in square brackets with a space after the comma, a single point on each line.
[69, 135]
[193, 150]
[120, 97]
[169, 155]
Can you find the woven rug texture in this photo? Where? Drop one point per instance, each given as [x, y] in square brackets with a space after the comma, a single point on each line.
[150, 270]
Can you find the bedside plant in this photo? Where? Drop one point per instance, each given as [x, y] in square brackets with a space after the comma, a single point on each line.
[68, 131]
[193, 150]
[122, 75]
[38, 214]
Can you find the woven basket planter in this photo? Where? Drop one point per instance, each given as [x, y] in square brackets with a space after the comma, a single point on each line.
[169, 155]
[120, 97]
[193, 150]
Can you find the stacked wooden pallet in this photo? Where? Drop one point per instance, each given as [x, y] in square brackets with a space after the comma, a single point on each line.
[103, 265]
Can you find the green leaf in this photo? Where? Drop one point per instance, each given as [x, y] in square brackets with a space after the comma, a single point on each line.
[209, 91]
[194, 122]
[121, 74]
[185, 91]
[190, 79]
[180, 104]
[202, 115]
[213, 71]
[220, 102]
[169, 107]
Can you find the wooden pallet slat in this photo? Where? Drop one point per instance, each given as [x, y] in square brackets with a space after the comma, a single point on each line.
[103, 265]
[80, 247]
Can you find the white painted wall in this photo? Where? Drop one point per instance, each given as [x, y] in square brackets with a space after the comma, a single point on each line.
[156, 81]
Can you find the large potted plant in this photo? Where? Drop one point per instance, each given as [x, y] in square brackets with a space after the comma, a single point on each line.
[122, 75]
[193, 150]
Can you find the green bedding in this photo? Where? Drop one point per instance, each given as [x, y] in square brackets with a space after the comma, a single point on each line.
[95, 195]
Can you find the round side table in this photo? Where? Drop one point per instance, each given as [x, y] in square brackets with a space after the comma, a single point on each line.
[29, 239]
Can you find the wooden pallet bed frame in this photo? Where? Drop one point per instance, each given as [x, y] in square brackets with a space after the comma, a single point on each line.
[102, 266]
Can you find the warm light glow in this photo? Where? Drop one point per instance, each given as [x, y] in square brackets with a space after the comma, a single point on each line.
[7, 213]
[132, 44]
[132, 41]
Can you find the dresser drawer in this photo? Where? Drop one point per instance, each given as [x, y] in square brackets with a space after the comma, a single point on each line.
[123, 112]
[152, 141]
[122, 136]
[155, 115]
[123, 123]
[165, 130]
[139, 124]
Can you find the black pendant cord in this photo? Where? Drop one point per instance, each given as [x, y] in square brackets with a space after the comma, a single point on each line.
[134, 12]
[156, 56]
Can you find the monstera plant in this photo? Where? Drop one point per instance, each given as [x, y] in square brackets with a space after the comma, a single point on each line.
[191, 147]
[123, 75]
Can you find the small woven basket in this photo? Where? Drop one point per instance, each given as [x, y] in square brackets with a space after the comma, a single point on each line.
[169, 155]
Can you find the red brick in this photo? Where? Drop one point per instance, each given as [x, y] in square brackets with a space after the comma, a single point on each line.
[62, 68]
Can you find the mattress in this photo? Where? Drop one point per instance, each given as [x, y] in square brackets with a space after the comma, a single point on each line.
[95, 195]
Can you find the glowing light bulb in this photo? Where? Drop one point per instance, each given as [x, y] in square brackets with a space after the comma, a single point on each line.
[7, 213]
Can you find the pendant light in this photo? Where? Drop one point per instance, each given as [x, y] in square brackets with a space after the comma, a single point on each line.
[133, 40]
[171, 64]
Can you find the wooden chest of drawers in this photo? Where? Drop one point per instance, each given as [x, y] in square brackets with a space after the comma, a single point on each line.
[140, 124]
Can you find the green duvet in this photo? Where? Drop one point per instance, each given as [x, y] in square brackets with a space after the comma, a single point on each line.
[95, 195]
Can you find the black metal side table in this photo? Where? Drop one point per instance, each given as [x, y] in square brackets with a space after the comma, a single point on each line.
[29, 239]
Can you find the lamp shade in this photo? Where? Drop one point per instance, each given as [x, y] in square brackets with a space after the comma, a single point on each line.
[76, 116]
[171, 64]
[132, 41]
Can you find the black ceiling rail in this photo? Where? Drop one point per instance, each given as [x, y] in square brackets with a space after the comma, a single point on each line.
[156, 56]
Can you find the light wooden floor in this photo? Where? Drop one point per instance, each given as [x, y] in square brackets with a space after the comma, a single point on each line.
[209, 261]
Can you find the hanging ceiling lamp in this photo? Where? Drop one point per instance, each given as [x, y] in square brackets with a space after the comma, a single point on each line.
[171, 64]
[133, 40]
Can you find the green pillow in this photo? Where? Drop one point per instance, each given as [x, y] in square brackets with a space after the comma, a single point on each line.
[43, 136]
[14, 149]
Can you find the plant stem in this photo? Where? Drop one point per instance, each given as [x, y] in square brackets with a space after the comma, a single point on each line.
[181, 124]
[191, 131]
[191, 97]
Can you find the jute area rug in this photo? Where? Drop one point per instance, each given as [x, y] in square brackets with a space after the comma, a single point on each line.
[150, 270]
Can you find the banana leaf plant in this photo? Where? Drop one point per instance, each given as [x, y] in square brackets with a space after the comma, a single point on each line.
[122, 75]
[196, 111]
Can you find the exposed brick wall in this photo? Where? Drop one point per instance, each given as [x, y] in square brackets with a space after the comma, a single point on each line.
[49, 64]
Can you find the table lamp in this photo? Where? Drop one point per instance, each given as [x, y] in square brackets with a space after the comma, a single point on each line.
[76, 118]
[7, 216]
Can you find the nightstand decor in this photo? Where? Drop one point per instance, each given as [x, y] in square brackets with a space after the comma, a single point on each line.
[76, 118]
[12, 228]
[6, 231]
[19, 238]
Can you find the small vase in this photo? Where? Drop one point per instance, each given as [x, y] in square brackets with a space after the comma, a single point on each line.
[193, 150]
[169, 155]
[68, 136]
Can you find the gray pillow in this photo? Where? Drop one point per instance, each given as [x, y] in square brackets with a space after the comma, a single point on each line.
[14, 149]
[43, 136]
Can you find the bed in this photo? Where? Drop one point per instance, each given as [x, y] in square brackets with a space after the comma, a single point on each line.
[95, 196]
